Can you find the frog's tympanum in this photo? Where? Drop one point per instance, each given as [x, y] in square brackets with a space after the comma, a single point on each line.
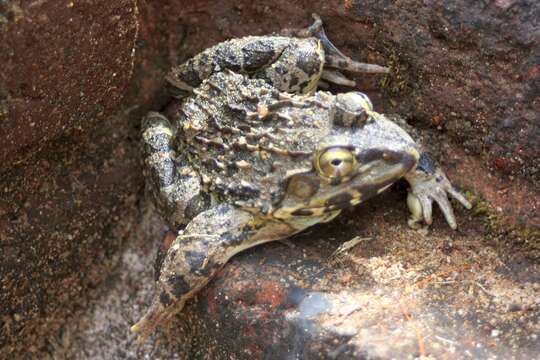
[250, 152]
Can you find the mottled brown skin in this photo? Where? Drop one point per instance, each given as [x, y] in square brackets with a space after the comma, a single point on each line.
[292, 61]
[242, 163]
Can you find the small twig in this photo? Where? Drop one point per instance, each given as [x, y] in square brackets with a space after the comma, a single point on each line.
[482, 288]
[446, 340]
[419, 338]
[444, 282]
[423, 282]
[197, 235]
[348, 245]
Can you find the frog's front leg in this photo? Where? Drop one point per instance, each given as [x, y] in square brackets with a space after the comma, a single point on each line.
[175, 188]
[429, 183]
[199, 252]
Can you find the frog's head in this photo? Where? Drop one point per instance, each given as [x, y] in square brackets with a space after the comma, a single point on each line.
[361, 156]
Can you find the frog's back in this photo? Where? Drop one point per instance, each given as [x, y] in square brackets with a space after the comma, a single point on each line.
[244, 137]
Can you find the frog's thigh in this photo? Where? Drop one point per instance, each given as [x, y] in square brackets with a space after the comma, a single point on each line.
[246, 55]
[176, 191]
[199, 252]
[208, 242]
[298, 68]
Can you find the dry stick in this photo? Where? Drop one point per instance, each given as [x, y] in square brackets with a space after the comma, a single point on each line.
[419, 338]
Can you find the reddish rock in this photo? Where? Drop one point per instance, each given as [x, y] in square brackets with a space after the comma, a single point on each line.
[64, 222]
[411, 299]
[64, 63]
[68, 172]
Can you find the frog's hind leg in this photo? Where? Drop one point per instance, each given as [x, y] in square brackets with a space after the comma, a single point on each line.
[244, 56]
[333, 57]
[175, 188]
[343, 62]
[298, 67]
[199, 252]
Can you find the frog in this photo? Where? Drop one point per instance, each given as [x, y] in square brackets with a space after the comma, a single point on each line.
[242, 159]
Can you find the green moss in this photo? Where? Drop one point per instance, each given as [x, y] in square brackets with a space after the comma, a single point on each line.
[501, 232]
[397, 80]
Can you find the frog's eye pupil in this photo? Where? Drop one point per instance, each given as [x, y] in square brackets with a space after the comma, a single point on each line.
[335, 162]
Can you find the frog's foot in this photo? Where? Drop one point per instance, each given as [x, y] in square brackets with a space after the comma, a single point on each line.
[336, 77]
[427, 188]
[334, 58]
[198, 253]
[157, 313]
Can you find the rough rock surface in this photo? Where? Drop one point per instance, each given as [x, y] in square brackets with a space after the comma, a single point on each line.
[77, 238]
[68, 172]
[64, 63]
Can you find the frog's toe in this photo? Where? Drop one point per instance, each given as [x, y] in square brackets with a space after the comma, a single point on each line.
[420, 208]
[459, 197]
[336, 77]
[310, 31]
[335, 59]
[148, 323]
[427, 209]
[446, 208]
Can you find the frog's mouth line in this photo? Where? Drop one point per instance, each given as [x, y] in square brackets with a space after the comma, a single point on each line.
[375, 179]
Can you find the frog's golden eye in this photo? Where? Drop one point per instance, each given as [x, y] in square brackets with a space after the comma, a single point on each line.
[335, 162]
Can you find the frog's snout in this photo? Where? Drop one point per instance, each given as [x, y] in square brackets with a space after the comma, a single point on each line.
[378, 169]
